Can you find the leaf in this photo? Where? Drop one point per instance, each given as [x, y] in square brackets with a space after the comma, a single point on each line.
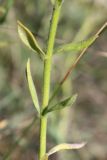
[29, 40]
[66, 146]
[32, 87]
[75, 46]
[63, 146]
[65, 103]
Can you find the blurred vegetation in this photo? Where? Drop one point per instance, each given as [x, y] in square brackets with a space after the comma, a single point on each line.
[86, 121]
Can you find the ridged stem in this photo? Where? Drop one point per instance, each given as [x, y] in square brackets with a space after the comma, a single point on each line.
[46, 76]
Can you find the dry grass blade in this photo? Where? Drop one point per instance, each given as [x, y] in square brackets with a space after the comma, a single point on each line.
[66, 146]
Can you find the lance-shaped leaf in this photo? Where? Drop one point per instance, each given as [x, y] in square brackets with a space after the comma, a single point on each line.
[29, 40]
[65, 103]
[66, 146]
[75, 46]
[32, 87]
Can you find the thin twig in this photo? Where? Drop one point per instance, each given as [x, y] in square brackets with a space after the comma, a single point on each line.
[81, 54]
[76, 62]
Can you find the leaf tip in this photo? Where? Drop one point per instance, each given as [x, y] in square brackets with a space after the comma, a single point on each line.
[81, 145]
[28, 61]
[31, 86]
[19, 23]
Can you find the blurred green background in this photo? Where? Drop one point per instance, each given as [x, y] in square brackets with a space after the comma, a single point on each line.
[87, 120]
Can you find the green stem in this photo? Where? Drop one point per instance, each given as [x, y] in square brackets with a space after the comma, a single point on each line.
[46, 76]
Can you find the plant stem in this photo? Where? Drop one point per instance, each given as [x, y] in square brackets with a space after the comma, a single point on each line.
[46, 76]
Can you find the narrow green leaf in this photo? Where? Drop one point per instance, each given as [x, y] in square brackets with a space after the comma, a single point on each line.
[65, 146]
[32, 87]
[29, 40]
[75, 46]
[65, 103]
